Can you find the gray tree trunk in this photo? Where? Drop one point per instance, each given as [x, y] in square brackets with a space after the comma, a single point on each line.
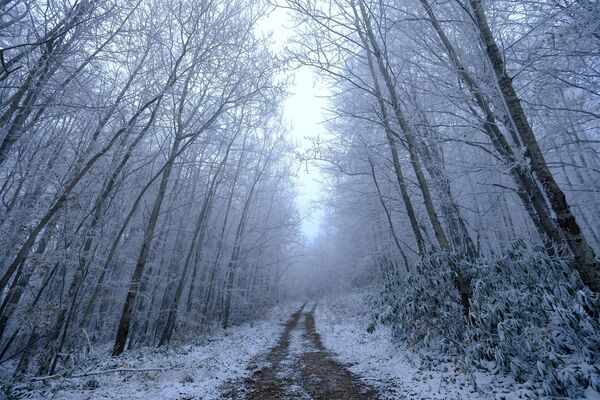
[585, 260]
[392, 144]
[406, 129]
[527, 189]
[134, 285]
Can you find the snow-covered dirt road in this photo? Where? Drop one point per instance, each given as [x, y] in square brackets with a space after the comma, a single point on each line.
[299, 367]
[315, 352]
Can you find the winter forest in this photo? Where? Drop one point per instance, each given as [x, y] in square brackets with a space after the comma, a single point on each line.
[425, 224]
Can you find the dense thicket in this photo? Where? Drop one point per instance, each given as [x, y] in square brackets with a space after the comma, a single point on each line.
[459, 130]
[144, 185]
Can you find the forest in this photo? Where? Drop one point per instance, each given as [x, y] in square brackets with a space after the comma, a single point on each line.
[149, 195]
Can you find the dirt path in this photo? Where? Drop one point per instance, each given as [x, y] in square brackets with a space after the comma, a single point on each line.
[299, 367]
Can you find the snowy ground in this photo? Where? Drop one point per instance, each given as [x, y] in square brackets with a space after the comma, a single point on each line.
[225, 362]
[180, 372]
[300, 367]
[398, 372]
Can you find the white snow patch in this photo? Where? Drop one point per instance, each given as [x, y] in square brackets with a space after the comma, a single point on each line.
[394, 370]
[188, 371]
[591, 394]
[298, 343]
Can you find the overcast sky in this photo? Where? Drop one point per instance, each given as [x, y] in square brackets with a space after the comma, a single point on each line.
[304, 112]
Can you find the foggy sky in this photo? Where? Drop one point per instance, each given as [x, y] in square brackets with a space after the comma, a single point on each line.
[303, 112]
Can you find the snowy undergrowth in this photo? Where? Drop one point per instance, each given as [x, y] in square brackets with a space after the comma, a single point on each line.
[393, 369]
[530, 318]
[175, 372]
[398, 370]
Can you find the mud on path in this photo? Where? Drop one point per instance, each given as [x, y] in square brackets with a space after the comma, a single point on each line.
[299, 367]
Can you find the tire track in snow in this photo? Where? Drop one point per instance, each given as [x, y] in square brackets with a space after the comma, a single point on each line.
[299, 367]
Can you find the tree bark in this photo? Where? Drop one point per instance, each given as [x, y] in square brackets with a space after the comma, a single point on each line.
[461, 282]
[31, 238]
[388, 216]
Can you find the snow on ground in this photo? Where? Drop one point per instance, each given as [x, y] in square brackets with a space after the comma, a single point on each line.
[186, 371]
[397, 371]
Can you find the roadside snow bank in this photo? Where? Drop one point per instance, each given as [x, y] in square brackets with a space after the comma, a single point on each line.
[396, 371]
[177, 372]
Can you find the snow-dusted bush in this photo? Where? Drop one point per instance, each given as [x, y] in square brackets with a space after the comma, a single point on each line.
[424, 308]
[530, 316]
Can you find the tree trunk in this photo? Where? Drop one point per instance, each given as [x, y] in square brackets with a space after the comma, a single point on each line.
[31, 238]
[461, 282]
[527, 189]
[212, 280]
[585, 259]
[22, 277]
[406, 129]
[388, 216]
[434, 164]
[127, 313]
[197, 239]
[233, 261]
[392, 145]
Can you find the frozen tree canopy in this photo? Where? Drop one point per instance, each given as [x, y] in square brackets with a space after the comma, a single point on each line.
[154, 199]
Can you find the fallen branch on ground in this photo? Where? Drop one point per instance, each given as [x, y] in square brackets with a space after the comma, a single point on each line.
[57, 376]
